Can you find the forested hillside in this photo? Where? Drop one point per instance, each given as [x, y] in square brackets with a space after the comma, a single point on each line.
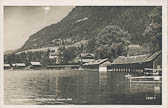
[86, 22]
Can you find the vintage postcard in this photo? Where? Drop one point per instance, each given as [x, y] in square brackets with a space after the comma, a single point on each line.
[84, 54]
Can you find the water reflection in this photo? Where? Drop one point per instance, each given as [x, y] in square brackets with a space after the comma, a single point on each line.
[77, 87]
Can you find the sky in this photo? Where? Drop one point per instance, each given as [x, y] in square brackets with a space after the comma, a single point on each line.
[20, 22]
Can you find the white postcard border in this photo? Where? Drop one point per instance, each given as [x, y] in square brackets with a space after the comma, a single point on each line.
[162, 3]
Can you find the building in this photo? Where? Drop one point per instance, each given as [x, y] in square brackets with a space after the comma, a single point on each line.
[7, 66]
[53, 54]
[13, 65]
[137, 63]
[19, 66]
[97, 65]
[57, 42]
[35, 65]
[63, 66]
[86, 57]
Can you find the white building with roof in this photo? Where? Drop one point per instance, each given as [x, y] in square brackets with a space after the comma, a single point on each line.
[97, 65]
[35, 65]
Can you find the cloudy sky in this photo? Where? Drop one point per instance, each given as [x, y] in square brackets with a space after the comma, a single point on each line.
[21, 22]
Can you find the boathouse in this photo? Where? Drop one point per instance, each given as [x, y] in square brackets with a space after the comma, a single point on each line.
[35, 65]
[63, 66]
[19, 66]
[97, 65]
[137, 63]
[7, 66]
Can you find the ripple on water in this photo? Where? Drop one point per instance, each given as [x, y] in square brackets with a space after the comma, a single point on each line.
[83, 87]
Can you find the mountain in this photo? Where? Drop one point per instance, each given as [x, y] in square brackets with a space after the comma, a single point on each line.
[85, 22]
[8, 52]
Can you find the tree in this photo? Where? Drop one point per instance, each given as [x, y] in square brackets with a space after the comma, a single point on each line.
[111, 42]
[67, 55]
[11, 58]
[90, 46]
[153, 30]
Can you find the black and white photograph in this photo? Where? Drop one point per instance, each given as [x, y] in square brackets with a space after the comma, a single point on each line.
[83, 55]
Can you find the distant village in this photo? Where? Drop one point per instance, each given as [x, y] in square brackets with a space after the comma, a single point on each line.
[88, 61]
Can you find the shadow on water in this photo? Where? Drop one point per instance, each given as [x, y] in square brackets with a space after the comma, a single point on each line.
[77, 87]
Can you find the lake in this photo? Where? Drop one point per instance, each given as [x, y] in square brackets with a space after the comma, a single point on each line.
[62, 87]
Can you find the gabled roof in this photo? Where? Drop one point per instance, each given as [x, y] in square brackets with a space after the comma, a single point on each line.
[6, 65]
[86, 54]
[35, 63]
[20, 64]
[13, 64]
[96, 62]
[152, 56]
[87, 60]
[129, 60]
[136, 59]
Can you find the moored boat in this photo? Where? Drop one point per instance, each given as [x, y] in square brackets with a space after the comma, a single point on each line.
[146, 79]
[152, 72]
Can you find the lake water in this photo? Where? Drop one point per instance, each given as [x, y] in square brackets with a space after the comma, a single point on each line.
[52, 87]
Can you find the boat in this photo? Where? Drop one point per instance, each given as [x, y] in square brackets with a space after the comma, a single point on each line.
[152, 72]
[128, 75]
[146, 79]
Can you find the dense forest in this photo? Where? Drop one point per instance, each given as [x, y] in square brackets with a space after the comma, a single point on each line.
[108, 31]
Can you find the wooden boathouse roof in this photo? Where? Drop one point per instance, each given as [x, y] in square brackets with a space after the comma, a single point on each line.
[87, 55]
[96, 62]
[20, 64]
[35, 63]
[7, 65]
[136, 59]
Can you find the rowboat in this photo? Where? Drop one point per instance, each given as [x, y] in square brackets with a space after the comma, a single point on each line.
[146, 79]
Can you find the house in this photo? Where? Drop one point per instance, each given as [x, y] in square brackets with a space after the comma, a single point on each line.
[53, 54]
[137, 63]
[35, 65]
[19, 66]
[86, 57]
[7, 66]
[97, 65]
[57, 42]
